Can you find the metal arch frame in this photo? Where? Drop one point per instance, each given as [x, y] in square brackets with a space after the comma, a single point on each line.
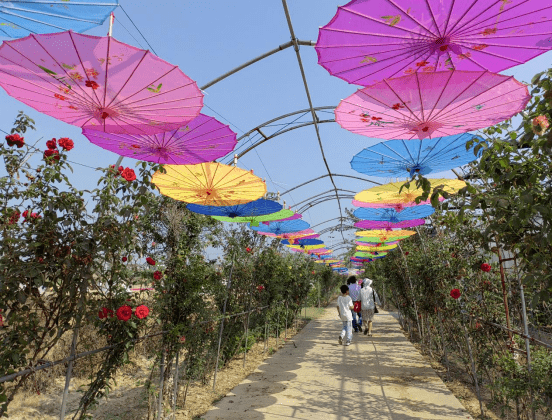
[295, 42]
[324, 176]
[314, 203]
[314, 197]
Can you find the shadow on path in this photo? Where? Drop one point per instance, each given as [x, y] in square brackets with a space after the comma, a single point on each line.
[380, 377]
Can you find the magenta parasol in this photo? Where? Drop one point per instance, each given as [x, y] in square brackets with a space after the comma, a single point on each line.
[98, 83]
[368, 41]
[203, 139]
[432, 105]
[375, 224]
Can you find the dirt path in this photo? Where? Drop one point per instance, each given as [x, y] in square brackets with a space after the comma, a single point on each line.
[312, 377]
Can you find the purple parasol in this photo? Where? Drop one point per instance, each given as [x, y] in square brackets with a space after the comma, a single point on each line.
[203, 139]
[375, 224]
[432, 105]
[368, 41]
[98, 83]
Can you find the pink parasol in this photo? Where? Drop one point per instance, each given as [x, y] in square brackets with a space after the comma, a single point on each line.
[396, 206]
[368, 41]
[98, 83]
[203, 139]
[294, 235]
[432, 105]
[374, 224]
[376, 243]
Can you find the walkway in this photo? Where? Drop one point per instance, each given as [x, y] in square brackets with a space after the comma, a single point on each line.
[380, 378]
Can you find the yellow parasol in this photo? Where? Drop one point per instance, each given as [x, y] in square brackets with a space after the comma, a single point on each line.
[389, 193]
[209, 184]
[375, 248]
[385, 235]
[306, 247]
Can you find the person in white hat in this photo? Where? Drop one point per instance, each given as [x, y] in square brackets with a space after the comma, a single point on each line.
[368, 298]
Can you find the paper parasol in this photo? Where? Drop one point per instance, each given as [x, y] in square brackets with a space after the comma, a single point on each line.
[375, 224]
[388, 194]
[384, 234]
[397, 158]
[209, 184]
[375, 248]
[257, 207]
[21, 18]
[396, 206]
[377, 242]
[281, 215]
[98, 83]
[203, 139]
[306, 248]
[392, 215]
[304, 234]
[432, 105]
[302, 242]
[279, 228]
[368, 41]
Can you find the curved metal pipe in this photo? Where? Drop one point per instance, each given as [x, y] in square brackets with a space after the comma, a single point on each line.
[311, 205]
[322, 193]
[324, 176]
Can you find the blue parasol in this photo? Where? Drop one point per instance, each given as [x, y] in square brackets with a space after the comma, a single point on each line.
[303, 242]
[278, 228]
[21, 18]
[254, 208]
[398, 157]
[391, 215]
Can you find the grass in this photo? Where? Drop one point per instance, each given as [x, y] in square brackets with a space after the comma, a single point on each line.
[311, 313]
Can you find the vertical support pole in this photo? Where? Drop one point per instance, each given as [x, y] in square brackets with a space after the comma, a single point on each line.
[246, 337]
[444, 344]
[265, 347]
[69, 373]
[175, 383]
[278, 328]
[413, 295]
[161, 383]
[318, 289]
[526, 332]
[285, 334]
[228, 285]
[474, 372]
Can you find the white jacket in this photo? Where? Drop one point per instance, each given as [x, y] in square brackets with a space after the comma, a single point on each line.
[367, 296]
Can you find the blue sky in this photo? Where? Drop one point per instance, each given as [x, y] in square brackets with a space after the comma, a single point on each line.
[209, 37]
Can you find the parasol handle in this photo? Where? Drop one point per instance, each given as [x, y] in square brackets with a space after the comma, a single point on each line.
[111, 19]
[235, 160]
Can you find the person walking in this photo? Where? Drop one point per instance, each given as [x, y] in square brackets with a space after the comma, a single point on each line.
[368, 298]
[354, 292]
[344, 306]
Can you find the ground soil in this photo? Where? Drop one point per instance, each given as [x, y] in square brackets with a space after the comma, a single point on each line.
[127, 399]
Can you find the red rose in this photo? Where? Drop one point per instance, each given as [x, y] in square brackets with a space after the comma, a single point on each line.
[157, 275]
[91, 84]
[248, 249]
[35, 216]
[406, 253]
[102, 314]
[312, 272]
[182, 339]
[51, 144]
[15, 140]
[124, 313]
[485, 267]
[66, 143]
[51, 152]
[477, 326]
[260, 288]
[120, 169]
[128, 174]
[150, 261]
[141, 311]
[26, 214]
[455, 293]
[124, 259]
